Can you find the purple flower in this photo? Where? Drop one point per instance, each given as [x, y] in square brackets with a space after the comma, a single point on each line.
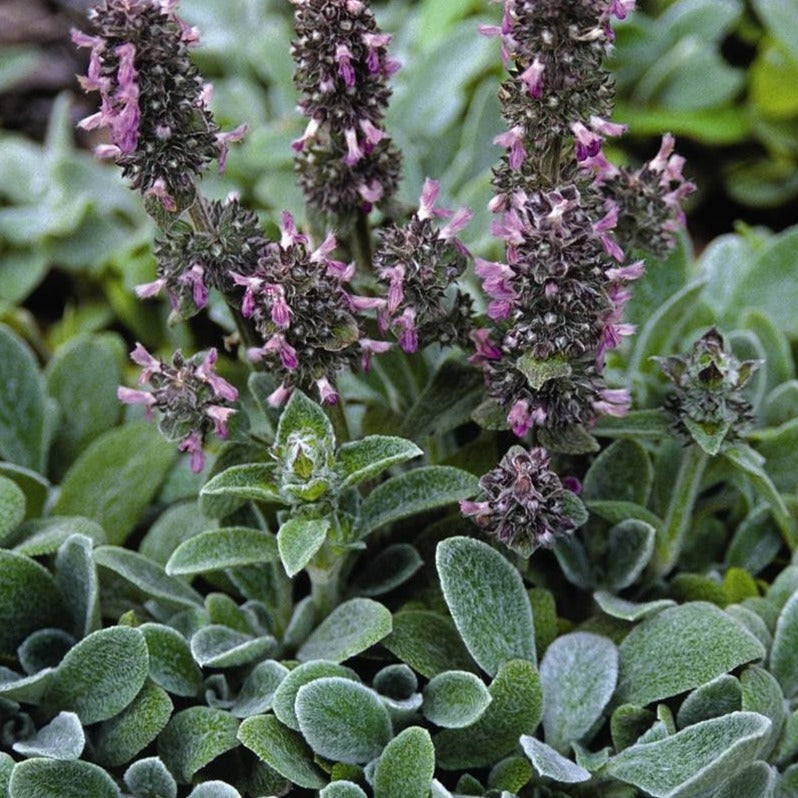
[189, 395]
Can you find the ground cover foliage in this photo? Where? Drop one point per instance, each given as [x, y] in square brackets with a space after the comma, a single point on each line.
[451, 503]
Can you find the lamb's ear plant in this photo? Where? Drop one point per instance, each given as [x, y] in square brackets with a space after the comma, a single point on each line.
[300, 608]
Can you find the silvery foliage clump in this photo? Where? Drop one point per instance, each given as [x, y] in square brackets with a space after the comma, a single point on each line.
[389, 593]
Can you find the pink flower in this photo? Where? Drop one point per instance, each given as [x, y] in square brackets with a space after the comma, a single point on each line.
[532, 77]
[513, 140]
[193, 445]
[343, 57]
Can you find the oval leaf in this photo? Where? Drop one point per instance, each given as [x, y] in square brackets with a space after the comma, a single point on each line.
[298, 539]
[61, 738]
[217, 646]
[784, 654]
[216, 549]
[406, 767]
[115, 478]
[282, 749]
[360, 460]
[343, 720]
[694, 760]
[455, 699]
[172, 665]
[679, 649]
[76, 577]
[516, 708]
[350, 628]
[29, 600]
[392, 567]
[23, 430]
[284, 702]
[54, 778]
[303, 415]
[147, 576]
[195, 737]
[149, 777]
[488, 602]
[414, 492]
[101, 675]
[119, 739]
[578, 673]
[257, 692]
[550, 764]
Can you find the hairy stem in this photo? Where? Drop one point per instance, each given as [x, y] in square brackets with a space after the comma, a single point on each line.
[669, 544]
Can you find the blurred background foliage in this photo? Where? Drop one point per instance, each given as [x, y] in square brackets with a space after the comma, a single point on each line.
[720, 74]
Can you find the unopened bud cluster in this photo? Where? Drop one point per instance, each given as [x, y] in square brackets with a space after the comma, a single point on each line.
[345, 159]
[192, 398]
[420, 263]
[153, 101]
[708, 402]
[521, 504]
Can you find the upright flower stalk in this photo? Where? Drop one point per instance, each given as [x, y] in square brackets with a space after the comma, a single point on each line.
[345, 159]
[569, 220]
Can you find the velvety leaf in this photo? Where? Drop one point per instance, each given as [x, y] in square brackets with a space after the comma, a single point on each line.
[447, 401]
[195, 737]
[12, 506]
[172, 665]
[54, 778]
[695, 760]
[217, 549]
[303, 415]
[350, 628]
[119, 739]
[761, 693]
[76, 577]
[298, 539]
[29, 600]
[342, 720]
[23, 422]
[628, 610]
[406, 767]
[114, 479]
[679, 649]
[631, 545]
[547, 762]
[240, 483]
[784, 654]
[83, 377]
[414, 492]
[488, 602]
[147, 576]
[756, 781]
[516, 708]
[214, 789]
[428, 642]
[578, 674]
[45, 535]
[44, 648]
[773, 265]
[392, 567]
[571, 439]
[622, 472]
[357, 461]
[149, 778]
[216, 646]
[35, 487]
[342, 789]
[282, 749]
[257, 692]
[175, 525]
[101, 675]
[284, 701]
[573, 560]
[721, 696]
[455, 699]
[616, 512]
[25, 689]
[61, 738]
